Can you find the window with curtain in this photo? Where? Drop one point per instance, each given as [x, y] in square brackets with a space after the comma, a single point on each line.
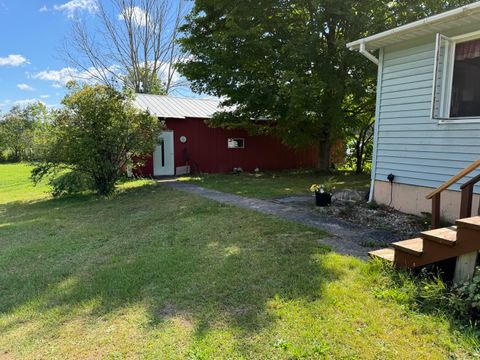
[465, 96]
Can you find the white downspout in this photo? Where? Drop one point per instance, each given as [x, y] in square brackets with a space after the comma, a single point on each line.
[377, 126]
[372, 58]
[368, 55]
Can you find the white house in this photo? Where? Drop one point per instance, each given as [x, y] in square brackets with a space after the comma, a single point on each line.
[428, 109]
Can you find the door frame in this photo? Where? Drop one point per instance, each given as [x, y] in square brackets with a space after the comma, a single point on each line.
[167, 151]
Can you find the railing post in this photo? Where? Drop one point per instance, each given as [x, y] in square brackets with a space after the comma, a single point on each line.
[467, 202]
[436, 211]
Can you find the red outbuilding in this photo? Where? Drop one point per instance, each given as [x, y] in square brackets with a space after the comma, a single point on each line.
[189, 145]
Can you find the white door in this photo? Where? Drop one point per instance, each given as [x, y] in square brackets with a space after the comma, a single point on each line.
[163, 164]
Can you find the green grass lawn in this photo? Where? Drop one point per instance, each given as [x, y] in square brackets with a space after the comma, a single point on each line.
[160, 274]
[14, 184]
[277, 184]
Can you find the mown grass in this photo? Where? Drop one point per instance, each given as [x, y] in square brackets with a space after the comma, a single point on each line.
[156, 273]
[276, 184]
[15, 184]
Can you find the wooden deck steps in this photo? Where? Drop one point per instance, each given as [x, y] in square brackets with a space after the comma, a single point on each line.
[470, 223]
[387, 254]
[434, 245]
[412, 246]
[446, 236]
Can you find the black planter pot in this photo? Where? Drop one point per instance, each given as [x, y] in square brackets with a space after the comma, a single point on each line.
[323, 199]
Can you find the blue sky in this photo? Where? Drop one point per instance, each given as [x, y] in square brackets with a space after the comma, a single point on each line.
[30, 45]
[31, 64]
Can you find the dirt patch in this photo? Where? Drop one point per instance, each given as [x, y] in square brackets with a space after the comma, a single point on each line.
[166, 312]
[5, 355]
[169, 312]
[351, 206]
[377, 217]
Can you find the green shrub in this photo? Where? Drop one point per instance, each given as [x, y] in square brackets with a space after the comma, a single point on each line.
[464, 299]
[97, 131]
[71, 183]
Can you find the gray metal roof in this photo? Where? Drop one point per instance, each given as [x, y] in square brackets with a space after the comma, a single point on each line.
[176, 107]
[453, 19]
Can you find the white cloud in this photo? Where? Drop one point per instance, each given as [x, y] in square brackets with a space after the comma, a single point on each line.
[13, 60]
[25, 87]
[43, 8]
[45, 96]
[61, 77]
[71, 7]
[136, 13]
[25, 102]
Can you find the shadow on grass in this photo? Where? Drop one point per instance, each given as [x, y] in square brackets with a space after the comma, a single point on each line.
[176, 254]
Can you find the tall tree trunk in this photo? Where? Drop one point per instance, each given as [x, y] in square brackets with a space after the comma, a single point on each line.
[359, 164]
[359, 158]
[324, 156]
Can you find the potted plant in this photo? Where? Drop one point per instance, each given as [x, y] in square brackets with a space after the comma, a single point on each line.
[323, 193]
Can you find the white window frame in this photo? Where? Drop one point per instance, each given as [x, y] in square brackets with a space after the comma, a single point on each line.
[447, 79]
[235, 139]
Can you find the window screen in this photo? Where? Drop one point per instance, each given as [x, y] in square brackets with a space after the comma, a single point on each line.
[465, 96]
[441, 88]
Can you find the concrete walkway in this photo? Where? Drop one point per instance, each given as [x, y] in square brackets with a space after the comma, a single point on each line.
[343, 237]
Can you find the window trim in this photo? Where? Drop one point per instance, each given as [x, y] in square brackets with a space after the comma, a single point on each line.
[447, 85]
[235, 139]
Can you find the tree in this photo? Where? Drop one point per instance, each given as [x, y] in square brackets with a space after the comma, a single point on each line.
[95, 135]
[155, 87]
[288, 61]
[359, 131]
[134, 45]
[17, 129]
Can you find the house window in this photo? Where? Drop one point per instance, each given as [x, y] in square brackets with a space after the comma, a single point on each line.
[465, 96]
[457, 79]
[236, 143]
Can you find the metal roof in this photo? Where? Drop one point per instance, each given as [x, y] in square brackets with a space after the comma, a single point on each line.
[463, 16]
[176, 107]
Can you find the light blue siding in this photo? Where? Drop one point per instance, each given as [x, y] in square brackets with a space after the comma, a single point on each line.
[418, 150]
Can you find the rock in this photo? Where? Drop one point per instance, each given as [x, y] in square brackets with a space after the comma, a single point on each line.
[350, 195]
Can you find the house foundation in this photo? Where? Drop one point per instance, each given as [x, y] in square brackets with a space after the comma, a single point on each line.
[412, 199]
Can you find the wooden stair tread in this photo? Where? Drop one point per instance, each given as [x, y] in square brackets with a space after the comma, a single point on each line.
[412, 246]
[471, 223]
[387, 254]
[446, 236]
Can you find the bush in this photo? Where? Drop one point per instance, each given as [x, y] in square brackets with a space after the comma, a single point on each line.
[71, 183]
[464, 299]
[97, 132]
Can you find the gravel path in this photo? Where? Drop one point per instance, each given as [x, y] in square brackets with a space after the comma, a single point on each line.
[343, 237]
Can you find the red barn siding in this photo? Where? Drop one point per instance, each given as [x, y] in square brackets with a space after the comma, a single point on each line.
[207, 151]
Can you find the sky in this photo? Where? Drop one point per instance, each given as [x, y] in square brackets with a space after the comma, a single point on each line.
[31, 64]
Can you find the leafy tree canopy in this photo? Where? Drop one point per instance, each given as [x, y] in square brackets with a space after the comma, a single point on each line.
[287, 60]
[96, 134]
[17, 130]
